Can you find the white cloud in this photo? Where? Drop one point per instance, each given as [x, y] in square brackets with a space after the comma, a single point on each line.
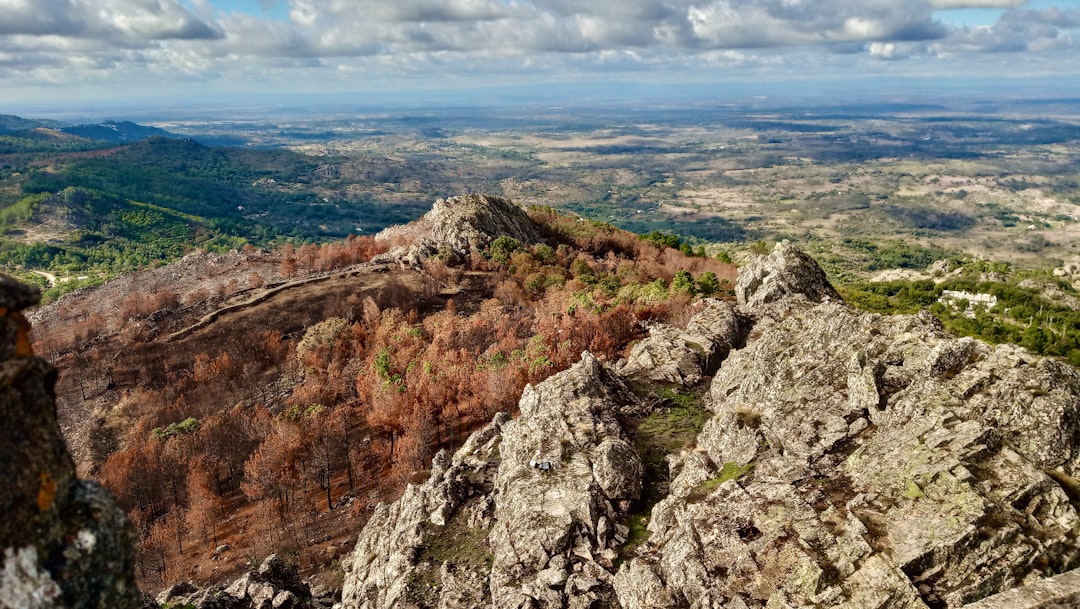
[1019, 31]
[118, 21]
[42, 40]
[885, 50]
[949, 4]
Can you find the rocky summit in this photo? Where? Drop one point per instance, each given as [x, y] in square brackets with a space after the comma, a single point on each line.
[65, 543]
[850, 460]
[457, 226]
[526, 509]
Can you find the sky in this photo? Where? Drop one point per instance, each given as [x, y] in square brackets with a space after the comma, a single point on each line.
[67, 53]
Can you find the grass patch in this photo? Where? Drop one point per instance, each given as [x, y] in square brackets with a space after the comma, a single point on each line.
[730, 471]
[672, 425]
[457, 543]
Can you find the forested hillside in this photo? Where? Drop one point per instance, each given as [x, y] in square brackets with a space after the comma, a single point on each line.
[277, 424]
[107, 210]
[989, 301]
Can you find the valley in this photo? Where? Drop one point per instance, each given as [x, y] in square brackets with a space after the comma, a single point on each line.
[200, 390]
[999, 182]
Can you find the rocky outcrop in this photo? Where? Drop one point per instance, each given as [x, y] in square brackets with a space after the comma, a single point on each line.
[555, 530]
[430, 546]
[858, 460]
[851, 460]
[276, 584]
[525, 514]
[457, 226]
[684, 357]
[786, 273]
[65, 543]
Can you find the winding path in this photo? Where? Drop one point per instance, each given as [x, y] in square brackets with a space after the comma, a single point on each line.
[48, 277]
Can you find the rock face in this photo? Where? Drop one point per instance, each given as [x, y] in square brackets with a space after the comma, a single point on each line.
[684, 357]
[784, 274]
[445, 520]
[867, 461]
[857, 460]
[851, 460]
[65, 542]
[523, 515]
[456, 226]
[555, 528]
[1058, 592]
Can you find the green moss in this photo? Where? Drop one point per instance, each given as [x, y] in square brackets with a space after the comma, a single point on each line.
[912, 491]
[639, 531]
[733, 470]
[730, 471]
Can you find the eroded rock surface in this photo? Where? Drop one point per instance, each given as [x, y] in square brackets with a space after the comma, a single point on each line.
[430, 546]
[459, 225]
[64, 541]
[554, 530]
[683, 357]
[857, 460]
[1058, 592]
[523, 515]
[851, 460]
[786, 273]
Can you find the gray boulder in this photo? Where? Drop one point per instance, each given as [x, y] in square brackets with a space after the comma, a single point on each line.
[786, 273]
[276, 584]
[177, 590]
[1058, 592]
[684, 357]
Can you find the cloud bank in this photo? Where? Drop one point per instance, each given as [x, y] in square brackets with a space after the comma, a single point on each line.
[71, 41]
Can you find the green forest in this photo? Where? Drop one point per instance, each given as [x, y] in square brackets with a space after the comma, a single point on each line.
[152, 201]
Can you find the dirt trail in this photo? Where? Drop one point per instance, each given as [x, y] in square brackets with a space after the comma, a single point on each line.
[48, 277]
[260, 297]
[294, 305]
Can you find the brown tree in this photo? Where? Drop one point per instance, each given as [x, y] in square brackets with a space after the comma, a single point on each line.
[206, 507]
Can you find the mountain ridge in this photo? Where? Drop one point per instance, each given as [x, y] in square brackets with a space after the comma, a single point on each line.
[850, 459]
[712, 545]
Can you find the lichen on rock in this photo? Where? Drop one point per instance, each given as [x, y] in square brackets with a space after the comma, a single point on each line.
[531, 504]
[551, 520]
[893, 466]
[391, 565]
[685, 357]
[785, 273]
